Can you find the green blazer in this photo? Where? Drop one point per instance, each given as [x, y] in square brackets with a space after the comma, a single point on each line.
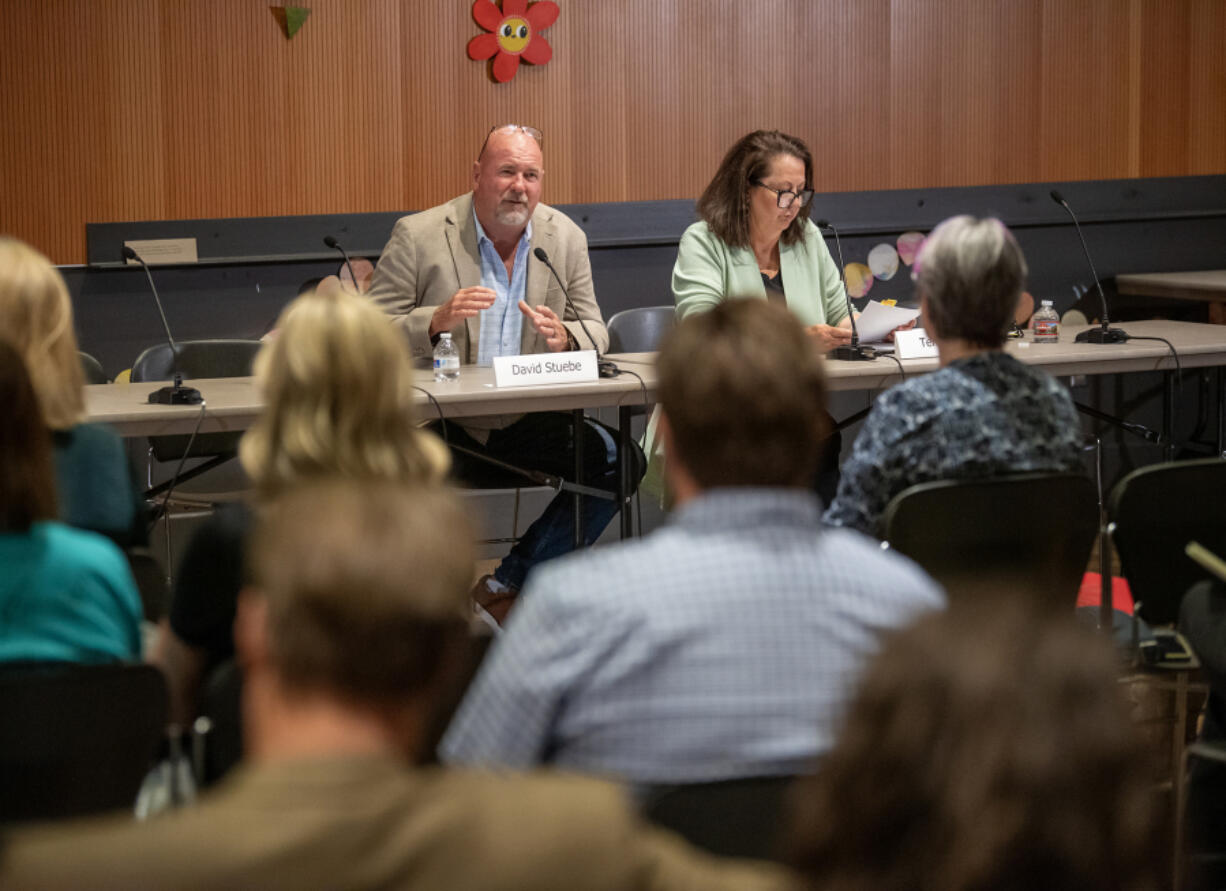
[708, 271]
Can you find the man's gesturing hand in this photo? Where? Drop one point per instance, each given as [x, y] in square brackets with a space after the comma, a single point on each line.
[463, 304]
[548, 325]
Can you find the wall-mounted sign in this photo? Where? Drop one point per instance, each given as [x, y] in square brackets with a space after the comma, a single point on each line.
[514, 34]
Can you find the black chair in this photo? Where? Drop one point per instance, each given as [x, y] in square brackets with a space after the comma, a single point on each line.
[1029, 534]
[731, 818]
[93, 370]
[221, 705]
[640, 330]
[77, 739]
[1152, 514]
[196, 359]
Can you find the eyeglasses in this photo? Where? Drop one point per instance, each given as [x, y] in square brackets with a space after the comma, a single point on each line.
[785, 198]
[523, 128]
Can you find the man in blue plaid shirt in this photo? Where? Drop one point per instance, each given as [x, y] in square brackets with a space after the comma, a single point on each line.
[726, 644]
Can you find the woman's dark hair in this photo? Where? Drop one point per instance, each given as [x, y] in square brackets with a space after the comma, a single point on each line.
[27, 477]
[724, 205]
[987, 748]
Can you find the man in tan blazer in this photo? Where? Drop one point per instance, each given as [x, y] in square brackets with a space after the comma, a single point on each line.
[468, 267]
[347, 647]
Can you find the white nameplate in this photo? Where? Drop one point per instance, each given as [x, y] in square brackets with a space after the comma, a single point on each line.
[544, 368]
[914, 344]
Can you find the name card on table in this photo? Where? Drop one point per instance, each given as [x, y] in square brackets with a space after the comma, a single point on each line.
[545, 368]
[914, 344]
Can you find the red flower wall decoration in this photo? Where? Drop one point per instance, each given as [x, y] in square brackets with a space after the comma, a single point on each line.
[515, 33]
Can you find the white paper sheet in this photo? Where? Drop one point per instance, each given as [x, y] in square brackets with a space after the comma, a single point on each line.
[878, 320]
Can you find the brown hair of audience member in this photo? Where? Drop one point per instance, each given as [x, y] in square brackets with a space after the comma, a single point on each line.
[987, 748]
[27, 475]
[338, 384]
[365, 585]
[973, 273]
[744, 396]
[36, 315]
[724, 204]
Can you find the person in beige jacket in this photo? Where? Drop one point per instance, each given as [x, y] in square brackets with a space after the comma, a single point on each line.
[472, 268]
[347, 646]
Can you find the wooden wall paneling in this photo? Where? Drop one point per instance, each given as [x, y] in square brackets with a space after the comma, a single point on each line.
[1084, 116]
[1163, 56]
[371, 119]
[1207, 88]
[852, 95]
[153, 109]
[81, 114]
[665, 155]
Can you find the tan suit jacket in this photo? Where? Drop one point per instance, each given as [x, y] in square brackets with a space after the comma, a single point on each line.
[433, 254]
[370, 822]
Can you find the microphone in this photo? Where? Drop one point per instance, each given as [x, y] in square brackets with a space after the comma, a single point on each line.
[853, 352]
[177, 394]
[331, 242]
[604, 367]
[1105, 333]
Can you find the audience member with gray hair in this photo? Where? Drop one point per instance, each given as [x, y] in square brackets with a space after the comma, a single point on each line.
[983, 413]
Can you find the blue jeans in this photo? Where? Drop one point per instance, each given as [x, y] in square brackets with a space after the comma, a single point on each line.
[545, 442]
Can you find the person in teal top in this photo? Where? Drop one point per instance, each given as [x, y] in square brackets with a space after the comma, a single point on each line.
[65, 594]
[755, 240]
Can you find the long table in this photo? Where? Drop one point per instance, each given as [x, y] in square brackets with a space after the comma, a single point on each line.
[233, 404]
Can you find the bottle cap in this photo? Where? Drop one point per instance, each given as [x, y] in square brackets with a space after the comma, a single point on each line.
[1045, 303]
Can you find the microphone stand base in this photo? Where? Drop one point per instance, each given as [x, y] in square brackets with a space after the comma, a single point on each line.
[855, 353]
[177, 395]
[1101, 335]
[605, 368]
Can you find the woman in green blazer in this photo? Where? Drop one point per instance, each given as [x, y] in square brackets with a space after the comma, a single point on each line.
[755, 239]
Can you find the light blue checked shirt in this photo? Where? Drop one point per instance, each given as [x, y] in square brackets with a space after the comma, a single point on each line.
[725, 645]
[502, 323]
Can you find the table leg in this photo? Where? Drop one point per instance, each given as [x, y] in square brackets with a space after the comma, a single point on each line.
[625, 446]
[1168, 402]
[577, 420]
[1221, 411]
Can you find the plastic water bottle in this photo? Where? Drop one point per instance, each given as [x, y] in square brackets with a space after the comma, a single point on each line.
[446, 359]
[1046, 324]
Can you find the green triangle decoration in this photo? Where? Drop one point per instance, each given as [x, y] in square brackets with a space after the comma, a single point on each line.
[290, 18]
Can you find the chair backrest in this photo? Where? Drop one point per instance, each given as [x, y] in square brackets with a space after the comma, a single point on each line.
[1153, 513]
[1026, 534]
[77, 739]
[195, 359]
[94, 372]
[640, 330]
[731, 818]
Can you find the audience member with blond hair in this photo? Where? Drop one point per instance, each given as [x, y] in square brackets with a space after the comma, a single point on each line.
[347, 643]
[66, 595]
[94, 479]
[988, 749]
[337, 383]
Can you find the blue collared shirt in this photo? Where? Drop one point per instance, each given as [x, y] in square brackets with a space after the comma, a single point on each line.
[502, 323]
[726, 644]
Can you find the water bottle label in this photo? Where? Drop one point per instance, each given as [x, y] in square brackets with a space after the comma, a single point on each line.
[1048, 328]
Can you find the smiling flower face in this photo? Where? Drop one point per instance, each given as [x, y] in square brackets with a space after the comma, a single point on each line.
[514, 34]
